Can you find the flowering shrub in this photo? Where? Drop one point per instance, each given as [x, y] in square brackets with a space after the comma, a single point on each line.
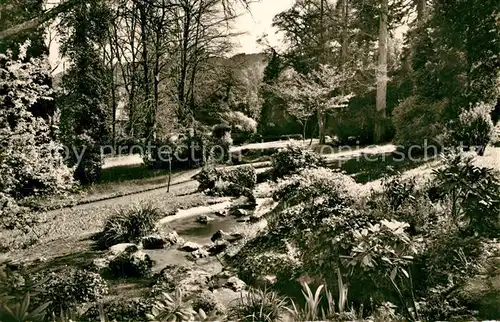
[30, 157]
[240, 122]
[292, 159]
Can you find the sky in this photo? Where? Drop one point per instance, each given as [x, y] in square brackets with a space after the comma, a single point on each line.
[258, 22]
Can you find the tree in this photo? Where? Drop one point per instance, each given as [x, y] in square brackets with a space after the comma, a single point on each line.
[85, 87]
[316, 92]
[382, 66]
[30, 155]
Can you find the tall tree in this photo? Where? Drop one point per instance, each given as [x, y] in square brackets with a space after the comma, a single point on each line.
[381, 101]
[83, 109]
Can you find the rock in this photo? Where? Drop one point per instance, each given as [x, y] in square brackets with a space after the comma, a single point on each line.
[240, 212]
[218, 247]
[173, 238]
[123, 248]
[243, 220]
[204, 219]
[221, 235]
[235, 284]
[227, 296]
[153, 242]
[221, 213]
[136, 264]
[190, 247]
[200, 253]
[188, 280]
[244, 202]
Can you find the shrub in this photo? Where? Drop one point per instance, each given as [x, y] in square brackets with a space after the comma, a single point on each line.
[129, 225]
[417, 121]
[123, 310]
[186, 152]
[65, 289]
[474, 126]
[30, 157]
[308, 184]
[242, 176]
[207, 302]
[240, 122]
[20, 296]
[126, 264]
[292, 159]
[258, 305]
[474, 194]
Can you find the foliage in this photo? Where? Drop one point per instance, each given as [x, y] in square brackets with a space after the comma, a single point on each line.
[292, 159]
[474, 126]
[419, 122]
[67, 288]
[30, 156]
[174, 307]
[474, 194]
[235, 179]
[309, 184]
[128, 310]
[129, 225]
[127, 264]
[20, 297]
[240, 122]
[85, 89]
[258, 305]
[182, 153]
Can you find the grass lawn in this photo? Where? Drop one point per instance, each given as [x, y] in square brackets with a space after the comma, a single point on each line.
[373, 167]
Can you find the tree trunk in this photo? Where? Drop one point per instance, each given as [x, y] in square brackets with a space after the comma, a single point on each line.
[321, 126]
[421, 10]
[382, 69]
[345, 27]
[145, 66]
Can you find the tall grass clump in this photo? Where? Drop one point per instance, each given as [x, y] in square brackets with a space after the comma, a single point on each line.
[258, 305]
[129, 225]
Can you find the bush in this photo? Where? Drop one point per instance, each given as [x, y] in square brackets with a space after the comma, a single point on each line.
[292, 159]
[239, 122]
[474, 126]
[417, 121]
[30, 157]
[309, 184]
[65, 289]
[126, 264]
[184, 153]
[235, 178]
[129, 225]
[258, 305]
[474, 194]
[123, 310]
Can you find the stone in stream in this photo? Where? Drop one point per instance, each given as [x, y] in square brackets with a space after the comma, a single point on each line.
[118, 249]
[244, 202]
[222, 235]
[221, 213]
[153, 242]
[190, 247]
[218, 247]
[173, 238]
[240, 212]
[204, 219]
[200, 253]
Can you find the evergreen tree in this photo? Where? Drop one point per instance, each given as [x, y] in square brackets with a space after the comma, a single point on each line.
[85, 88]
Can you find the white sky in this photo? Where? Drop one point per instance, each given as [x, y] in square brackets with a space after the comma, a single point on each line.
[259, 22]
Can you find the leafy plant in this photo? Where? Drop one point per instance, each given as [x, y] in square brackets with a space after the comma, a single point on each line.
[474, 126]
[474, 194]
[242, 177]
[129, 225]
[258, 305]
[292, 159]
[20, 297]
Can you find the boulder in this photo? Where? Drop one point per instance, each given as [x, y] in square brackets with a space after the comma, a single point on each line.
[123, 248]
[221, 235]
[200, 253]
[190, 281]
[218, 247]
[190, 247]
[204, 219]
[245, 202]
[137, 264]
[153, 242]
[221, 213]
[173, 238]
[238, 212]
[235, 284]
